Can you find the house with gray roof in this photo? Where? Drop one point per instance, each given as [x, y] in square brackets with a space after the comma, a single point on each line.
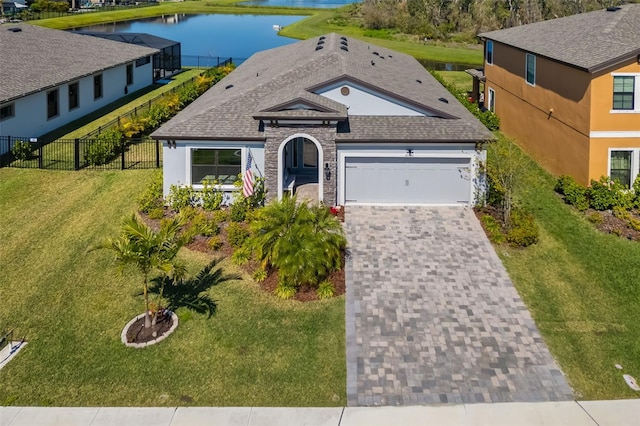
[51, 77]
[568, 91]
[335, 118]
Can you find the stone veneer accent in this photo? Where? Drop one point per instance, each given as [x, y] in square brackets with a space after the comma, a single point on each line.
[324, 134]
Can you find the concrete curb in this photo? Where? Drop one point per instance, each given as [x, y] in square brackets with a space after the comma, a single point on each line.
[123, 335]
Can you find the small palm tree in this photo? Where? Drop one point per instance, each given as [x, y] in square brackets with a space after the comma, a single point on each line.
[304, 243]
[149, 251]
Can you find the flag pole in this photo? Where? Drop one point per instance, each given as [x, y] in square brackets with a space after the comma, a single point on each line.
[254, 162]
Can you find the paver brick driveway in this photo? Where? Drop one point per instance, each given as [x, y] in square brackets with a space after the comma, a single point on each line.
[432, 316]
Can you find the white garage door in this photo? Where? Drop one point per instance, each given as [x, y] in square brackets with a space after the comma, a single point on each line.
[403, 180]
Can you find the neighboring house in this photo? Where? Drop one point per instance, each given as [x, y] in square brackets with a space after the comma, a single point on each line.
[165, 63]
[353, 122]
[51, 77]
[568, 91]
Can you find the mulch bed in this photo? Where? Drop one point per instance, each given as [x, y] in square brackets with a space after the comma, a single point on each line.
[200, 244]
[613, 225]
[138, 334]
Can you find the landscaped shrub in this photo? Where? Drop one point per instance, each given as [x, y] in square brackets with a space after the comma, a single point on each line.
[181, 197]
[134, 126]
[220, 216]
[523, 230]
[260, 275]
[151, 198]
[241, 256]
[285, 291]
[493, 229]
[325, 290]
[215, 242]
[104, 148]
[203, 225]
[156, 213]
[574, 193]
[601, 194]
[22, 150]
[211, 195]
[563, 182]
[158, 114]
[237, 234]
[238, 211]
[305, 243]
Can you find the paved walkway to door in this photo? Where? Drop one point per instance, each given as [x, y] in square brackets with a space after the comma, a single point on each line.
[432, 316]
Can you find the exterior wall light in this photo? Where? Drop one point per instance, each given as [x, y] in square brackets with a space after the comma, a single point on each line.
[327, 171]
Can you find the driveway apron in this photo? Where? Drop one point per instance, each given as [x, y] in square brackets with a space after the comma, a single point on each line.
[432, 316]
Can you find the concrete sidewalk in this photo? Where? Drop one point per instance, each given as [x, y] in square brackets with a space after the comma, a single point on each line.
[565, 413]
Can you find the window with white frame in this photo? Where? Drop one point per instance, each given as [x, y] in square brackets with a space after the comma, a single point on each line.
[623, 92]
[624, 165]
[492, 100]
[531, 69]
[626, 93]
[488, 55]
[215, 164]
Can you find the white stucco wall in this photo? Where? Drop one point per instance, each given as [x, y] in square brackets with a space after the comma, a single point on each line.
[462, 150]
[362, 101]
[177, 161]
[30, 112]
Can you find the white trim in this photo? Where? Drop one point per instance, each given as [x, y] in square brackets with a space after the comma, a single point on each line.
[636, 93]
[491, 100]
[625, 111]
[320, 162]
[615, 134]
[342, 157]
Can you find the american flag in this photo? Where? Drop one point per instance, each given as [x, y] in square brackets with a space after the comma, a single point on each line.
[247, 180]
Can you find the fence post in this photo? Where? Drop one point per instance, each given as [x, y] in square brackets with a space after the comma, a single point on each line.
[40, 153]
[157, 154]
[76, 154]
[122, 148]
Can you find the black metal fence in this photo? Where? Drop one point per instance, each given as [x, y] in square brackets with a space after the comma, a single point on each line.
[75, 154]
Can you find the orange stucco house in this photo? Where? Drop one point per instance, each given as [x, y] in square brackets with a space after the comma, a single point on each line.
[568, 91]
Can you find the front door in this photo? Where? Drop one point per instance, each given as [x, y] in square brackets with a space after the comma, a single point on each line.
[303, 159]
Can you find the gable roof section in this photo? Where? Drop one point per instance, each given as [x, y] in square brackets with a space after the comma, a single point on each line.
[279, 76]
[590, 41]
[37, 58]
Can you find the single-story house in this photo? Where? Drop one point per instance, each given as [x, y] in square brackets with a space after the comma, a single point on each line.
[568, 91]
[51, 77]
[353, 122]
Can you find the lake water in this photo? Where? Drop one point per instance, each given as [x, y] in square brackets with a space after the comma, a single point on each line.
[225, 36]
[207, 37]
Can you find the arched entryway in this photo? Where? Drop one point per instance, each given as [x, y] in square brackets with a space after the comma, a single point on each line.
[300, 159]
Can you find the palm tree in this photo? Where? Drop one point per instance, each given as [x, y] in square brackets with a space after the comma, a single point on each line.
[149, 251]
[304, 243]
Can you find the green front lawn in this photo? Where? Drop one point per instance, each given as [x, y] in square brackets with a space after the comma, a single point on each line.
[583, 290]
[71, 305]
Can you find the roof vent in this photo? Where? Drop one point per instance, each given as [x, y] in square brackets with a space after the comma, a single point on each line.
[446, 101]
[345, 48]
[373, 64]
[419, 81]
[318, 47]
[228, 87]
[344, 43]
[343, 38]
[376, 53]
[390, 56]
[321, 42]
[15, 29]
[613, 8]
[322, 37]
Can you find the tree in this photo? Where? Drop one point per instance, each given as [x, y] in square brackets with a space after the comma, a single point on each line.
[148, 250]
[505, 166]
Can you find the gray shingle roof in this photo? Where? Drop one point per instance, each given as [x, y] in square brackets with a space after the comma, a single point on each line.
[591, 41]
[37, 58]
[279, 76]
